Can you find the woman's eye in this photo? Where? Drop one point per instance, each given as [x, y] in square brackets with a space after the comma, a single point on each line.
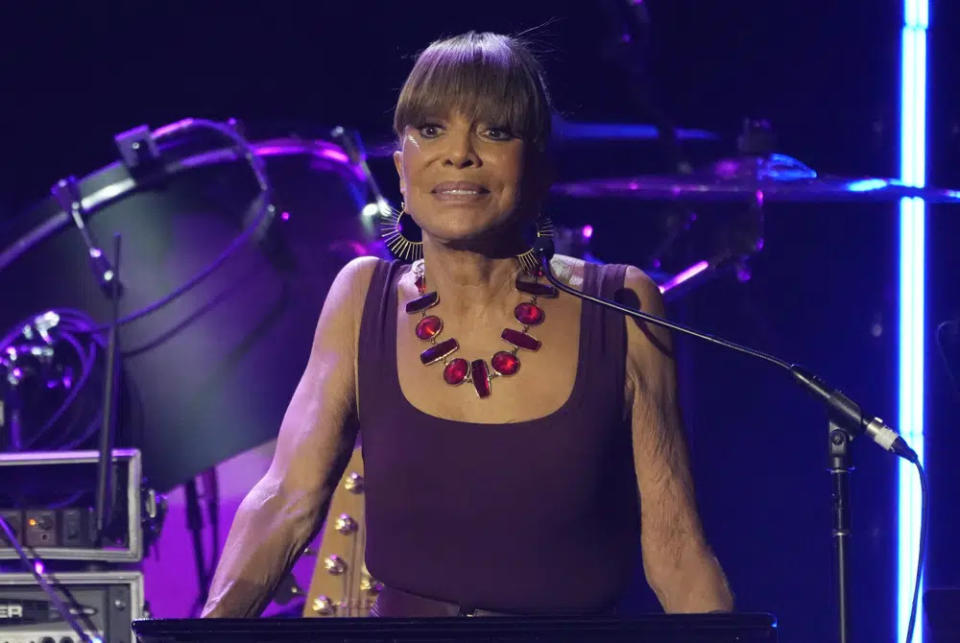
[499, 133]
[429, 130]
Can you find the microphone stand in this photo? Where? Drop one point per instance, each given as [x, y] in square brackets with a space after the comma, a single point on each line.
[104, 502]
[845, 420]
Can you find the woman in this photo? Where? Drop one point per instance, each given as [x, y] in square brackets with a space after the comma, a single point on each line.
[501, 476]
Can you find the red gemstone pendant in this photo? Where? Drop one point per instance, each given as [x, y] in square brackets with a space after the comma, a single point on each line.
[429, 327]
[478, 375]
[529, 314]
[505, 363]
[535, 288]
[439, 351]
[522, 340]
[423, 302]
[456, 371]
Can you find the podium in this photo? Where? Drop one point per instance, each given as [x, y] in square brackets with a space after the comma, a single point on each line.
[671, 628]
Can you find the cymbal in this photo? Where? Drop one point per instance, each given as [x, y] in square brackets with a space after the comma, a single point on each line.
[776, 177]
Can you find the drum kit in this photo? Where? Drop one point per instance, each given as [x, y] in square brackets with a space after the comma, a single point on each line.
[229, 247]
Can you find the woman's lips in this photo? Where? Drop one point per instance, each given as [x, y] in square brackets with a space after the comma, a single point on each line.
[459, 191]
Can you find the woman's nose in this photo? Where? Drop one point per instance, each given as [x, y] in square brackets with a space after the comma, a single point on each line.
[460, 152]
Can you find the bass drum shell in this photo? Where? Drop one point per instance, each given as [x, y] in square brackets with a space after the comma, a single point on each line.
[210, 374]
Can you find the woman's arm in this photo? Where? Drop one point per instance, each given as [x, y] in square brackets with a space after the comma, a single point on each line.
[282, 511]
[677, 561]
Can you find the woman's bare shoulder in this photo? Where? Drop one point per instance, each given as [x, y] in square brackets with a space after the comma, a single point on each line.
[346, 297]
[357, 272]
[569, 270]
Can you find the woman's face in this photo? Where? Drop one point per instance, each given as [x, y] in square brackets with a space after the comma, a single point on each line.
[462, 180]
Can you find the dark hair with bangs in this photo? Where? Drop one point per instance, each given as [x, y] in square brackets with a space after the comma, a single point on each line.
[486, 76]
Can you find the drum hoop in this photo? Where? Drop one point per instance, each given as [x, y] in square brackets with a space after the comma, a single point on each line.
[117, 190]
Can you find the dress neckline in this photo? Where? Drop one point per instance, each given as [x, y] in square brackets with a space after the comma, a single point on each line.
[589, 279]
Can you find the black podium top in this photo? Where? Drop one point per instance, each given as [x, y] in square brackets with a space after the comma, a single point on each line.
[672, 628]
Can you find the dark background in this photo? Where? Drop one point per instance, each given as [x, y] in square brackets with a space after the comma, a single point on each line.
[823, 291]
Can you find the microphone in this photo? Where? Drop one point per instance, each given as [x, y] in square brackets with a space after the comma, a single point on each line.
[544, 249]
[842, 409]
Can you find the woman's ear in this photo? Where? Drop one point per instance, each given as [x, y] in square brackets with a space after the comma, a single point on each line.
[398, 163]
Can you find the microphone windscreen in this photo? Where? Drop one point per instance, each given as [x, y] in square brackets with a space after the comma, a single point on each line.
[544, 248]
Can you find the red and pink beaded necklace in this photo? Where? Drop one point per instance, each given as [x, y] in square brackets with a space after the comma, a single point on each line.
[457, 370]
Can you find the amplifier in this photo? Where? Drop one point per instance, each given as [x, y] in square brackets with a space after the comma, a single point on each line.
[48, 500]
[104, 604]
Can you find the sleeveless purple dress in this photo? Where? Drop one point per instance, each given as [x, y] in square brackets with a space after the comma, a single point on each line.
[540, 516]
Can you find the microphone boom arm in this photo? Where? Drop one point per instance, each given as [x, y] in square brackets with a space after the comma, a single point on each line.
[845, 420]
[842, 410]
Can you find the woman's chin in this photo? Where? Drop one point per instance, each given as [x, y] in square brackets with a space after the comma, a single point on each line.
[466, 232]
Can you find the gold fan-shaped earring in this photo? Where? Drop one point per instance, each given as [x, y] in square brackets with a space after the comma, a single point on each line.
[528, 260]
[405, 241]
[401, 234]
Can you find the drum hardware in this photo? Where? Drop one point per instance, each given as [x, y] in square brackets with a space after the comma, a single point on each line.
[738, 242]
[67, 194]
[94, 195]
[757, 175]
[229, 130]
[777, 178]
[735, 243]
[138, 151]
[319, 154]
[377, 206]
[192, 211]
[256, 226]
[258, 223]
